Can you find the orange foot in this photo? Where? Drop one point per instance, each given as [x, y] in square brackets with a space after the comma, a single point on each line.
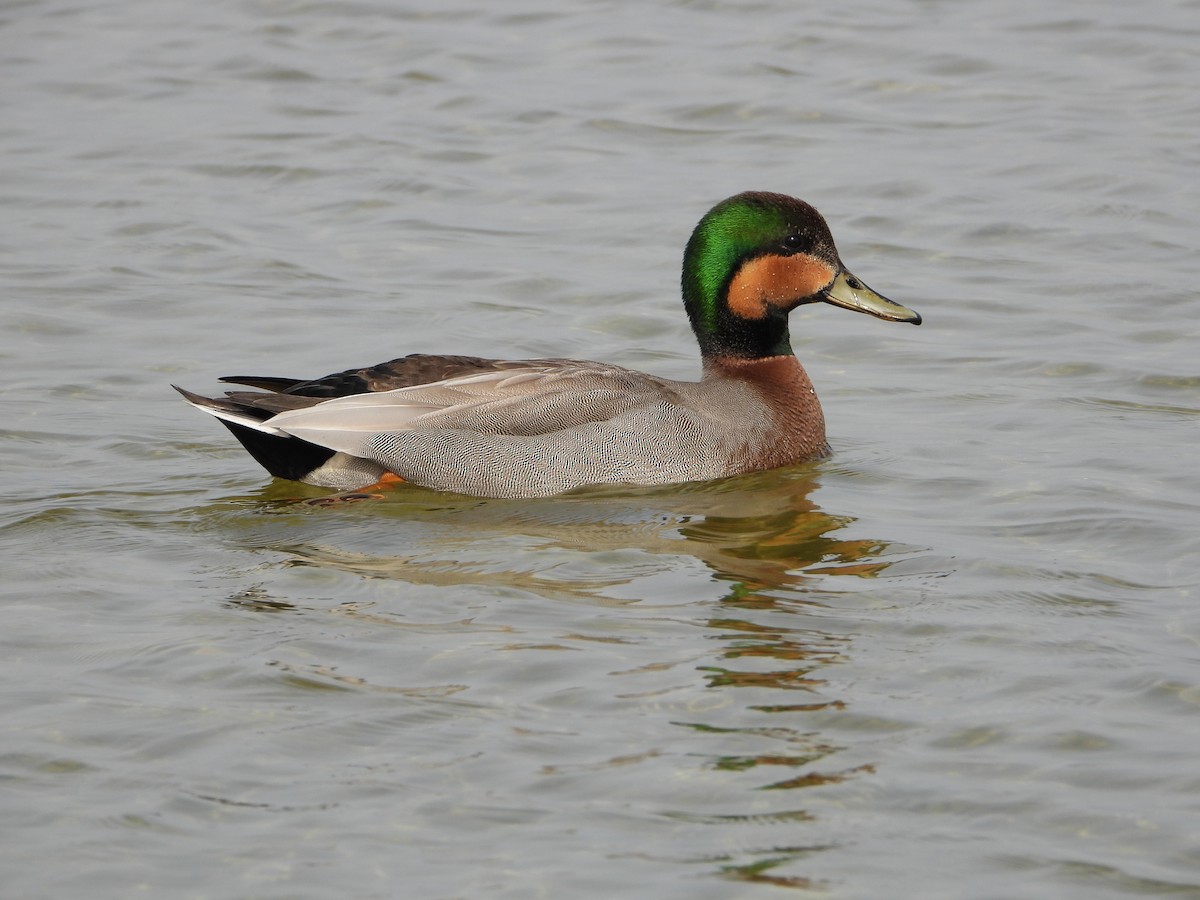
[370, 492]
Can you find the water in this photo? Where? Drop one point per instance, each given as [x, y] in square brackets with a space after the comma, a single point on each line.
[959, 658]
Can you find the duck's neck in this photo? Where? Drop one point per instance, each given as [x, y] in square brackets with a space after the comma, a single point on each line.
[733, 337]
[782, 370]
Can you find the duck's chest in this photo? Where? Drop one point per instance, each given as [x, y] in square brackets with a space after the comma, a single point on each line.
[766, 413]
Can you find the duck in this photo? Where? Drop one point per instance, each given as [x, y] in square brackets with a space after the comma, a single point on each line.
[530, 428]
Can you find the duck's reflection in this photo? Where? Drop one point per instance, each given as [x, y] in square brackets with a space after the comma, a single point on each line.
[752, 533]
[747, 552]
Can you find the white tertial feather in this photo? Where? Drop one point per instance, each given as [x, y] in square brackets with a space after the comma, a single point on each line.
[237, 419]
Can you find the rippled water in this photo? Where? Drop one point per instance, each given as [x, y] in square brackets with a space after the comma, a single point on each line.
[958, 659]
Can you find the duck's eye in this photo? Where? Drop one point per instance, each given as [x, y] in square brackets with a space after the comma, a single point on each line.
[793, 242]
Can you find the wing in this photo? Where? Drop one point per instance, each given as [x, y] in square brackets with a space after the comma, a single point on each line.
[519, 400]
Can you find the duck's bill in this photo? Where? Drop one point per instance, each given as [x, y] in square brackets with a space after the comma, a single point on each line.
[850, 293]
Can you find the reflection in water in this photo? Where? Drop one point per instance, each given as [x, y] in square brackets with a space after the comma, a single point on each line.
[757, 533]
[759, 540]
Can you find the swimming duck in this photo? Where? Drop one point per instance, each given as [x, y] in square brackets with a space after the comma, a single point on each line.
[534, 428]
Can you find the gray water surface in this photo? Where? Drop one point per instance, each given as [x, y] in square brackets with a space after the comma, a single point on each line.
[957, 659]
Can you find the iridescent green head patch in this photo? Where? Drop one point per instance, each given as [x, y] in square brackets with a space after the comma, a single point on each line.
[730, 232]
[736, 230]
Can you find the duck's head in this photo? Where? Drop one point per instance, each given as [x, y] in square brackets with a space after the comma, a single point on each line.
[753, 259]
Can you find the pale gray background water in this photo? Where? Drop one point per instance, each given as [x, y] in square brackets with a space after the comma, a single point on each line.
[959, 659]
